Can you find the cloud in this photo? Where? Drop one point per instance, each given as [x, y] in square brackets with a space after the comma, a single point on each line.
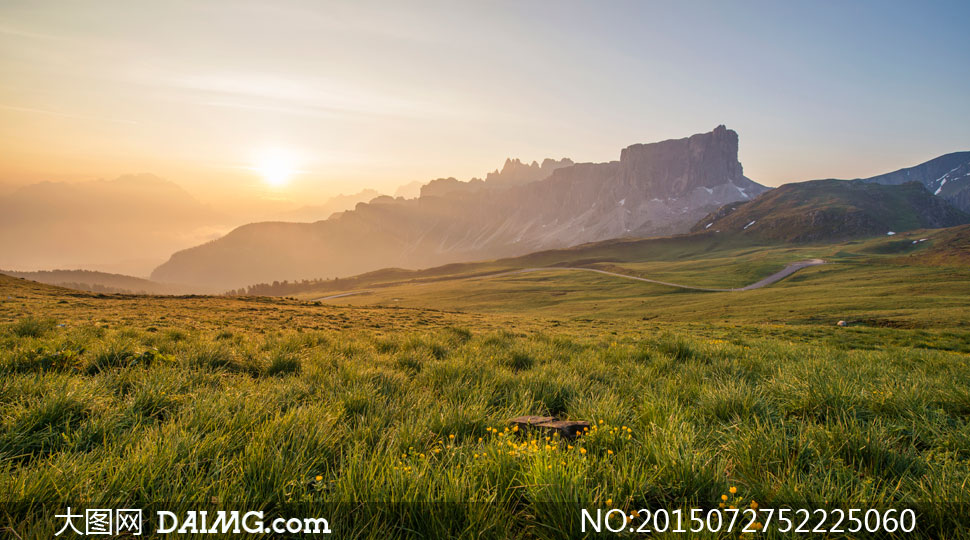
[32, 110]
[306, 97]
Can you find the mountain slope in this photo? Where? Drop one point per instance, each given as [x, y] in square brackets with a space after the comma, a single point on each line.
[653, 189]
[828, 210]
[947, 176]
[948, 247]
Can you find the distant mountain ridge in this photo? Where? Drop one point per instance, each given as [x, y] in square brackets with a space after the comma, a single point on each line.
[656, 188]
[834, 210]
[947, 176]
[337, 203]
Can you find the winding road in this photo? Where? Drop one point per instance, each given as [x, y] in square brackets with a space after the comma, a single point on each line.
[777, 276]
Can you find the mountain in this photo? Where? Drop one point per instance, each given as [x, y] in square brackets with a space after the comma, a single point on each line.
[653, 189]
[409, 190]
[831, 210]
[101, 282]
[129, 223]
[333, 205]
[514, 172]
[947, 176]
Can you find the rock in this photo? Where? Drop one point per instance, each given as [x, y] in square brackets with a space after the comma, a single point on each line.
[842, 323]
[565, 428]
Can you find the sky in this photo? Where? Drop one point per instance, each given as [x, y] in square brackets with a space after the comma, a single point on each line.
[302, 100]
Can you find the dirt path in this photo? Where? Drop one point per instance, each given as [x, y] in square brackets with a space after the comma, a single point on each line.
[341, 295]
[777, 276]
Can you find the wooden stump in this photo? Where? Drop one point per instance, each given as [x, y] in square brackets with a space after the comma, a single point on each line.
[567, 429]
[526, 422]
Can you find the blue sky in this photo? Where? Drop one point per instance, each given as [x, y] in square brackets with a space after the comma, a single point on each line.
[375, 94]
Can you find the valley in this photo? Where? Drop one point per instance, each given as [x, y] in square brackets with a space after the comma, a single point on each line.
[403, 394]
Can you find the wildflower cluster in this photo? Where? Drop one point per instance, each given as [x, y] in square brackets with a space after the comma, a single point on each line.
[408, 459]
[736, 501]
[606, 436]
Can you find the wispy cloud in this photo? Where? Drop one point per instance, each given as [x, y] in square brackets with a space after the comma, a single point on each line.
[7, 30]
[32, 110]
[297, 97]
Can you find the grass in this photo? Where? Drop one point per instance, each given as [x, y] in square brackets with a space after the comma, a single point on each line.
[306, 410]
[903, 288]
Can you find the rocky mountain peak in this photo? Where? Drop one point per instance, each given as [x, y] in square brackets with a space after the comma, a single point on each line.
[676, 167]
[659, 188]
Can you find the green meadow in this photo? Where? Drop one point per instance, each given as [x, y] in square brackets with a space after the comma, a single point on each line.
[387, 412]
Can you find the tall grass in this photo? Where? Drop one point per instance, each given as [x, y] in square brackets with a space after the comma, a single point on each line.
[292, 421]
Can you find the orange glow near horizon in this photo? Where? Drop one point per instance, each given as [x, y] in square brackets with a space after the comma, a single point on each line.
[381, 95]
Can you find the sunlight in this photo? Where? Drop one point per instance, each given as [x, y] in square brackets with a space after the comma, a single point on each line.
[276, 166]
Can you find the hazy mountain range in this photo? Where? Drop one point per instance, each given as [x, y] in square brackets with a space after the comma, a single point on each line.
[675, 186]
[657, 188]
[335, 204]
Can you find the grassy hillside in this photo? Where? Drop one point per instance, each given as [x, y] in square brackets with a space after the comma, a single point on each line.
[887, 281]
[834, 210]
[307, 409]
[669, 248]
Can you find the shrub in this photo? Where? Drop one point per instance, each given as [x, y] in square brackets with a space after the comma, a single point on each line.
[519, 361]
[45, 360]
[284, 363]
[112, 355]
[32, 327]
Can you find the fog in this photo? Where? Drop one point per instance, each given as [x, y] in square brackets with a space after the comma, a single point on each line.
[131, 224]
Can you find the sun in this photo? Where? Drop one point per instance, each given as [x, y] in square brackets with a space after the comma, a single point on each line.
[276, 166]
